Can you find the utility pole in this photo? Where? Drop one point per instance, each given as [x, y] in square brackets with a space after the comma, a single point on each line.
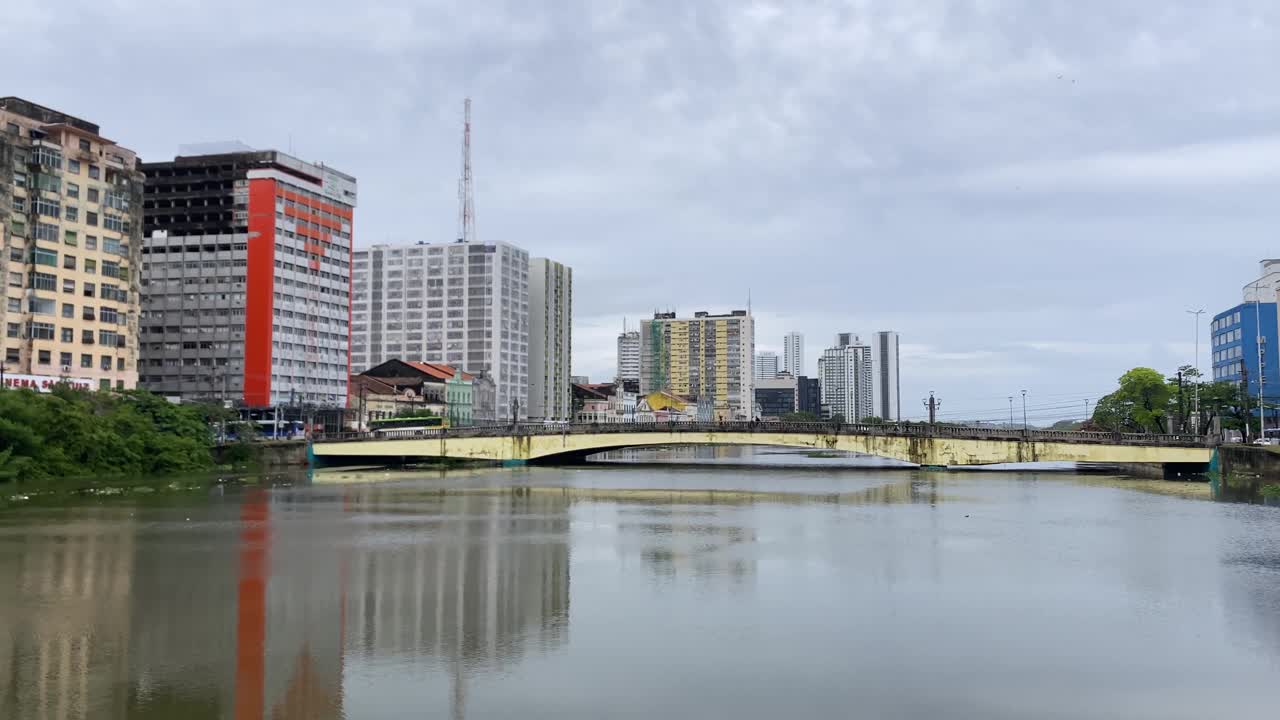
[1010, 412]
[1244, 396]
[1086, 410]
[1024, 411]
[932, 404]
[1182, 409]
[1195, 425]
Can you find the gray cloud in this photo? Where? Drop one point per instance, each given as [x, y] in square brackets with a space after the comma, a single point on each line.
[1032, 193]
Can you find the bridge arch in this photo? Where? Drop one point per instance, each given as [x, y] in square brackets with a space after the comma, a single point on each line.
[918, 444]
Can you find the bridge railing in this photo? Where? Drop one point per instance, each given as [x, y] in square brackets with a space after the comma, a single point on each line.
[919, 430]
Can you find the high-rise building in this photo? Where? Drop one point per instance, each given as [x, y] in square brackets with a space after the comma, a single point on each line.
[461, 304]
[550, 340]
[885, 388]
[70, 227]
[793, 353]
[628, 356]
[846, 379]
[703, 357]
[766, 365]
[247, 275]
[809, 395]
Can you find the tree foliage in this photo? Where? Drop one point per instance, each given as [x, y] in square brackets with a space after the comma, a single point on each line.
[70, 432]
[800, 417]
[1140, 404]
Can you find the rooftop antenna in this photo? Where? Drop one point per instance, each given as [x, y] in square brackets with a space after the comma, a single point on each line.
[466, 191]
[748, 301]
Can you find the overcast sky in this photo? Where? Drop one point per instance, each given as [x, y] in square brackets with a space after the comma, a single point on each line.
[1031, 193]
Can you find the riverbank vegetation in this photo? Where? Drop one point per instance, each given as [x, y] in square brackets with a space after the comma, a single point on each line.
[1146, 401]
[69, 433]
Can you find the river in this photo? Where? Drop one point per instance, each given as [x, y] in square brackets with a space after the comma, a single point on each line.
[745, 584]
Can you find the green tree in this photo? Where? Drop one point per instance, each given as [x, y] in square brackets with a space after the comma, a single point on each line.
[1224, 401]
[70, 433]
[800, 417]
[1140, 404]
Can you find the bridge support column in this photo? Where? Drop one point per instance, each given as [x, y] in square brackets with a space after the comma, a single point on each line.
[518, 462]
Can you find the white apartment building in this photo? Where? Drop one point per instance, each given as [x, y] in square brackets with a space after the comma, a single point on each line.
[845, 373]
[793, 354]
[766, 365]
[550, 340]
[628, 356]
[461, 304]
[885, 388]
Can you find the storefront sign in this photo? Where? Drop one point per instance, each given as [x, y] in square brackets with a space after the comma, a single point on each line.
[44, 383]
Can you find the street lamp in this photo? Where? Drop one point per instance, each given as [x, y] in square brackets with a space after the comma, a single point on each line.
[1024, 411]
[1195, 425]
[1010, 412]
[1258, 339]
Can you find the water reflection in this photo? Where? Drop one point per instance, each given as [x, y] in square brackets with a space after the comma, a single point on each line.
[255, 606]
[904, 594]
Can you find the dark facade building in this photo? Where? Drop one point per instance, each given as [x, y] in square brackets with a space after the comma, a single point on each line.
[775, 397]
[246, 278]
[808, 395]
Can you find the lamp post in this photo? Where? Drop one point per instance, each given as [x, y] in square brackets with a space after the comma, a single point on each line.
[1258, 340]
[1024, 411]
[1195, 425]
[1010, 412]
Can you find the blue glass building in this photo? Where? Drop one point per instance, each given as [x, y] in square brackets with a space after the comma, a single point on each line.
[1234, 342]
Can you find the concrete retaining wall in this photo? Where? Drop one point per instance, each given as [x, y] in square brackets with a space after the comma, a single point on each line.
[1243, 470]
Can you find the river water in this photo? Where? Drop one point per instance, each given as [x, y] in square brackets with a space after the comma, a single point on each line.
[749, 586]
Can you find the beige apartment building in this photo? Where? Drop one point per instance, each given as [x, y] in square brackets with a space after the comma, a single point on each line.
[71, 223]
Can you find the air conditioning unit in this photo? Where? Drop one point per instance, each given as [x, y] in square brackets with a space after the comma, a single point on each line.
[66, 369]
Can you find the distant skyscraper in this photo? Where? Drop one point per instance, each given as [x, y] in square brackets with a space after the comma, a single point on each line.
[885, 386]
[550, 339]
[809, 395]
[846, 379]
[629, 355]
[766, 365]
[793, 353]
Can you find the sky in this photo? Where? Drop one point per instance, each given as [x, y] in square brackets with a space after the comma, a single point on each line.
[1031, 193]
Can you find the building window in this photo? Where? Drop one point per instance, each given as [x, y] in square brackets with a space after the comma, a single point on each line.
[93, 195]
[40, 256]
[44, 281]
[47, 156]
[69, 238]
[40, 330]
[90, 266]
[45, 357]
[73, 190]
[69, 262]
[91, 218]
[13, 330]
[95, 172]
[73, 167]
[86, 337]
[71, 213]
[51, 208]
[86, 361]
[91, 241]
[68, 336]
[104, 362]
[90, 290]
[84, 145]
[69, 286]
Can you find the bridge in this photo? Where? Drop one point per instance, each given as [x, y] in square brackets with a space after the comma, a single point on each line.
[928, 445]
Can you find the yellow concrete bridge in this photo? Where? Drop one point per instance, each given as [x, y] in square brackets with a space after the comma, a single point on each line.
[929, 445]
